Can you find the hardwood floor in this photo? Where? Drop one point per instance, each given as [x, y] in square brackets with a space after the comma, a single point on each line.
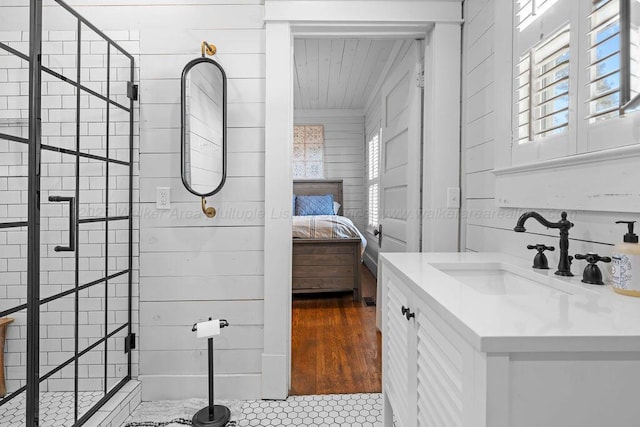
[335, 346]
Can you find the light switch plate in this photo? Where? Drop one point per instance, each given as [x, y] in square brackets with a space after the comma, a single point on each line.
[453, 197]
[163, 198]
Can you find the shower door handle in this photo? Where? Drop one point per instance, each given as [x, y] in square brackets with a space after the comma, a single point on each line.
[72, 223]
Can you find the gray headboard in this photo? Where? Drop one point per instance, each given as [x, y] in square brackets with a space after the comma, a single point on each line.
[319, 187]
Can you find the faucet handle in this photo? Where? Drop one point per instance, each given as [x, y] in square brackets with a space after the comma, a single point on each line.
[541, 247]
[593, 258]
[592, 274]
[540, 260]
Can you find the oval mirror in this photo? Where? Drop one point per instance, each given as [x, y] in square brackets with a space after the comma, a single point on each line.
[204, 127]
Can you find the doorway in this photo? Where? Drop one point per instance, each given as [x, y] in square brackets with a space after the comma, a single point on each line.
[66, 187]
[344, 91]
[439, 23]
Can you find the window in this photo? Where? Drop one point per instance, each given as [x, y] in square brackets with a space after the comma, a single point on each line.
[308, 152]
[543, 88]
[604, 58]
[530, 10]
[373, 184]
[572, 88]
[576, 73]
[614, 72]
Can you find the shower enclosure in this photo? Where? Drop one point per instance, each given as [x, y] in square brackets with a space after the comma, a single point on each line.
[66, 177]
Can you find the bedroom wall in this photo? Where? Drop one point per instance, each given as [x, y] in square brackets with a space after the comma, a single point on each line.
[486, 227]
[192, 267]
[343, 154]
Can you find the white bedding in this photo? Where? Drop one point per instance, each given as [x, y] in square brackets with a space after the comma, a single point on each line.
[326, 227]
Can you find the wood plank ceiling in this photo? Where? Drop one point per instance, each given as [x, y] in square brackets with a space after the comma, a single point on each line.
[337, 73]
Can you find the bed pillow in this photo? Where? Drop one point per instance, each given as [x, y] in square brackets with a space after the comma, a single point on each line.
[336, 208]
[293, 205]
[314, 205]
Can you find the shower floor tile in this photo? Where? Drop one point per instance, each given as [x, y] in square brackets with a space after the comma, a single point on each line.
[56, 408]
[346, 410]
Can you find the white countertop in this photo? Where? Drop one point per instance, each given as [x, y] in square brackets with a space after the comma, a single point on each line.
[591, 318]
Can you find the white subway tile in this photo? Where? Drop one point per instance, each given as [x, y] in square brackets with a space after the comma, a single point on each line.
[9, 88]
[10, 36]
[62, 35]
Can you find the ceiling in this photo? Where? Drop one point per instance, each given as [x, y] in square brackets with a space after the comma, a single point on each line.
[337, 73]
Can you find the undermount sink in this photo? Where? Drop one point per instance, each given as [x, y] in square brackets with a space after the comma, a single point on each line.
[499, 279]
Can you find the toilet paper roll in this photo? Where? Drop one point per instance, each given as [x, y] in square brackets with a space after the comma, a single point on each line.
[208, 329]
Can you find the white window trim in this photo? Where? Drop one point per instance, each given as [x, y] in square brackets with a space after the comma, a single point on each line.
[596, 152]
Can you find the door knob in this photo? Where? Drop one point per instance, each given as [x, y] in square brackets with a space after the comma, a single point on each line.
[378, 232]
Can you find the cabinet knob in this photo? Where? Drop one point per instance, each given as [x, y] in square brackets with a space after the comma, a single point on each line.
[406, 312]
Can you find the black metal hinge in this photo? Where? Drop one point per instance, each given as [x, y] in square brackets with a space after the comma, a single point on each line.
[132, 91]
[129, 343]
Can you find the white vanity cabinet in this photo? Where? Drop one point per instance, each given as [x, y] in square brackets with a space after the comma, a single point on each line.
[471, 356]
[427, 367]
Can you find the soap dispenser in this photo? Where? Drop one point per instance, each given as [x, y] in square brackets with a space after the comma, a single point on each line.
[626, 263]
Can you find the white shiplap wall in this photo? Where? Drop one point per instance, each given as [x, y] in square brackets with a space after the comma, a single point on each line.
[192, 267]
[486, 227]
[343, 154]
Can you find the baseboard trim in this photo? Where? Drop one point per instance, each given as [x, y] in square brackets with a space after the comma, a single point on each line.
[371, 264]
[275, 374]
[177, 387]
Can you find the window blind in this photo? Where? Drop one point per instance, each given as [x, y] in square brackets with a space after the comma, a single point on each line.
[551, 88]
[523, 99]
[605, 61]
[374, 157]
[373, 199]
[529, 10]
[542, 92]
[374, 203]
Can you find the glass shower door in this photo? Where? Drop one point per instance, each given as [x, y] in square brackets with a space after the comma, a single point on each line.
[14, 173]
[80, 286]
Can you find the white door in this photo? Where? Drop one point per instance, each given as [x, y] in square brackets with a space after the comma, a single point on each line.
[400, 216]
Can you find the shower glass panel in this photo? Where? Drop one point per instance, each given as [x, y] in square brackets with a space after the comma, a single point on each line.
[14, 175]
[65, 218]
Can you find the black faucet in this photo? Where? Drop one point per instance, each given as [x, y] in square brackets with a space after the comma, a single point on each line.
[564, 264]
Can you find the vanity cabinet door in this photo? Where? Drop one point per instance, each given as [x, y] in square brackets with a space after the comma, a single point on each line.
[396, 350]
[428, 368]
[440, 370]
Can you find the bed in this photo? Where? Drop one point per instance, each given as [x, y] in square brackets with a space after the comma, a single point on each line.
[327, 264]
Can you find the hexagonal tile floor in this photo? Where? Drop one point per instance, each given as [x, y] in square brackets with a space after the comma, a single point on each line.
[56, 408]
[346, 410]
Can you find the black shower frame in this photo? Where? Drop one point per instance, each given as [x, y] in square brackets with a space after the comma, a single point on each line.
[34, 142]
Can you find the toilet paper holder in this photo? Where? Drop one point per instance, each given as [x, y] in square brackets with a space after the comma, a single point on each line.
[212, 415]
[223, 324]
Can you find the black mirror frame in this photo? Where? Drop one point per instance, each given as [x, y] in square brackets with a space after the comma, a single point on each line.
[183, 85]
